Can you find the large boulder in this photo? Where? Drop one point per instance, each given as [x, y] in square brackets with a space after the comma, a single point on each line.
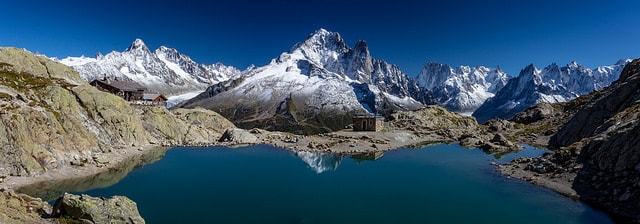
[238, 136]
[184, 126]
[117, 209]
[434, 119]
[535, 113]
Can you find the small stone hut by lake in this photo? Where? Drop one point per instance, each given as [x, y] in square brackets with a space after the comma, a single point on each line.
[368, 123]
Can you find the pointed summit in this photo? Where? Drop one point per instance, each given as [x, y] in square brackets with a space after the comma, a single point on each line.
[166, 50]
[361, 49]
[361, 45]
[530, 69]
[321, 40]
[321, 31]
[137, 44]
[574, 64]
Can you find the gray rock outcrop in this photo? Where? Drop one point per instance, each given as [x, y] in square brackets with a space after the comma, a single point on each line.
[238, 136]
[435, 119]
[117, 209]
[536, 113]
[499, 144]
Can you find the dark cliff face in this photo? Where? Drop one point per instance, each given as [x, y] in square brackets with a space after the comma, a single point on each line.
[606, 130]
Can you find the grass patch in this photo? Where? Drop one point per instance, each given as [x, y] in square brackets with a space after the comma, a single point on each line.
[24, 82]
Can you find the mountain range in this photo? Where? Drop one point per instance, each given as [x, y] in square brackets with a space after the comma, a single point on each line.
[164, 70]
[321, 82]
[464, 88]
[316, 86]
[553, 84]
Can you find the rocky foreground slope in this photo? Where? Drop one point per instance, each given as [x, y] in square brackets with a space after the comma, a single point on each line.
[51, 119]
[606, 132]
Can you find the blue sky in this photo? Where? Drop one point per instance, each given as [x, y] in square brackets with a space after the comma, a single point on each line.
[511, 34]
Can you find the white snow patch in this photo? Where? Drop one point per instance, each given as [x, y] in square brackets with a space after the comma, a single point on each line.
[77, 61]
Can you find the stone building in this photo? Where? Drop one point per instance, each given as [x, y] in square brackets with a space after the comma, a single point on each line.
[368, 123]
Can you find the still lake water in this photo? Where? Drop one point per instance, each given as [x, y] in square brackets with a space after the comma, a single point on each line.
[262, 184]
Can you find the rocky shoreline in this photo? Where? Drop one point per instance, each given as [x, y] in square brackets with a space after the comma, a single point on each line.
[539, 171]
[107, 161]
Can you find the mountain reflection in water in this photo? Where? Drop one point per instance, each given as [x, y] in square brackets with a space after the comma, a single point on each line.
[50, 190]
[321, 162]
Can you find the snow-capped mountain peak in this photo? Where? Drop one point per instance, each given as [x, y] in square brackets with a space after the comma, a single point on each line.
[574, 65]
[165, 70]
[138, 44]
[319, 83]
[320, 45]
[325, 39]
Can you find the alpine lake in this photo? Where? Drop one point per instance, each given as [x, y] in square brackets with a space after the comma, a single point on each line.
[442, 183]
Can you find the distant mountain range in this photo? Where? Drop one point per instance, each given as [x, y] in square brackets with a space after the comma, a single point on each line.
[464, 88]
[551, 85]
[321, 82]
[165, 70]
